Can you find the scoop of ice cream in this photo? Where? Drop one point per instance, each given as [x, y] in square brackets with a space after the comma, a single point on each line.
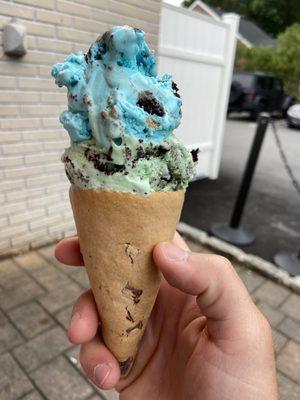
[114, 90]
[121, 116]
[143, 167]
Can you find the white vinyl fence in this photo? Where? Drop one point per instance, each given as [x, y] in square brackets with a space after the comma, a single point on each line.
[199, 52]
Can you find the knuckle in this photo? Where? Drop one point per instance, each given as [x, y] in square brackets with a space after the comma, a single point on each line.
[222, 263]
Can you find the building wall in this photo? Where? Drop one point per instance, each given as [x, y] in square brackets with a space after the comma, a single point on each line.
[34, 205]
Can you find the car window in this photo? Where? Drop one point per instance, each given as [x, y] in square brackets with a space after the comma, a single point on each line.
[265, 82]
[245, 80]
[278, 85]
[262, 83]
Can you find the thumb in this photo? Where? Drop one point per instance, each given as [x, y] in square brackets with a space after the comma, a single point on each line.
[221, 295]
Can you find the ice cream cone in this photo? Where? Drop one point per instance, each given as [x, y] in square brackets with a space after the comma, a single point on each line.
[117, 233]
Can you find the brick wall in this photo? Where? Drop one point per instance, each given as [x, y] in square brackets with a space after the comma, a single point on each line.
[34, 206]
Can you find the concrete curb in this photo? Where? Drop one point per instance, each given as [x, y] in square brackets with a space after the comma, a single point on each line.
[248, 260]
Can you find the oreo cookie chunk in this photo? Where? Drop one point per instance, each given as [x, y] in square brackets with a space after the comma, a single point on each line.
[148, 102]
[108, 168]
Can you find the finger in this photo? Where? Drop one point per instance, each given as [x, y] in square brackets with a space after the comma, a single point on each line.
[179, 241]
[99, 364]
[221, 295]
[84, 321]
[67, 251]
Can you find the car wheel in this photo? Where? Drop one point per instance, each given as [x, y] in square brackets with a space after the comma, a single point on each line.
[254, 115]
[291, 126]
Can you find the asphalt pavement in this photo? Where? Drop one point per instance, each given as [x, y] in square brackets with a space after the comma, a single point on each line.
[272, 212]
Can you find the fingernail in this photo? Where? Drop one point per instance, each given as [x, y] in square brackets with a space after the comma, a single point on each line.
[101, 372]
[75, 318]
[174, 253]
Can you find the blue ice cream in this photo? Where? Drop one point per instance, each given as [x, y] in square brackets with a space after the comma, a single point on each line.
[118, 104]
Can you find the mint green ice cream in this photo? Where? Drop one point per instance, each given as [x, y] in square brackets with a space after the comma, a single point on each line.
[121, 118]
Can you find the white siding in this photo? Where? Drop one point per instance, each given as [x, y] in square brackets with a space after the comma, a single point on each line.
[199, 52]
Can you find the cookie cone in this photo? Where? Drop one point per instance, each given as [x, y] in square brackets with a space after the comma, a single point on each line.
[117, 233]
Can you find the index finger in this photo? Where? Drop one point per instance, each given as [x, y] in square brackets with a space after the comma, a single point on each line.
[67, 251]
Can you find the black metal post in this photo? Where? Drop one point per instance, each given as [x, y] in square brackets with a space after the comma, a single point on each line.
[238, 209]
[233, 233]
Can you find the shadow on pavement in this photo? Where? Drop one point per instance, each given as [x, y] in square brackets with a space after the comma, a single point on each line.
[273, 220]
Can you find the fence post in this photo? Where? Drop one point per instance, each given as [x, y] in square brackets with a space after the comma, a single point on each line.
[233, 21]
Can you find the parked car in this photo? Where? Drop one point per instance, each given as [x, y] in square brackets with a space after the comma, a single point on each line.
[293, 116]
[256, 92]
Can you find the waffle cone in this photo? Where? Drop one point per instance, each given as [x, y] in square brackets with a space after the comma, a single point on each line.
[117, 233]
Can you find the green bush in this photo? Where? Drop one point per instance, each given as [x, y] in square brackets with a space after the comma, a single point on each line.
[254, 59]
[284, 61]
[287, 59]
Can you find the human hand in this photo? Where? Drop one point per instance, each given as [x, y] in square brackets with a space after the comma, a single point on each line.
[205, 339]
